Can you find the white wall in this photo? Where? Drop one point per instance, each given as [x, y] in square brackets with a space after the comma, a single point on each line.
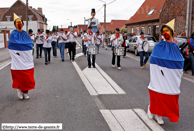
[10, 25]
[2, 45]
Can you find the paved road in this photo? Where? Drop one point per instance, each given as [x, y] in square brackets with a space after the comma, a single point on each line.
[83, 99]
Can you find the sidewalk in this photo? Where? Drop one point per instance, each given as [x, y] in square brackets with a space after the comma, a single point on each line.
[4, 54]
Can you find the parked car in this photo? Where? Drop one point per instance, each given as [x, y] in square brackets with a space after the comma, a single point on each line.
[185, 51]
[132, 42]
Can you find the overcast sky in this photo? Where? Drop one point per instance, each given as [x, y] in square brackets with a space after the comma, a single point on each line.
[58, 11]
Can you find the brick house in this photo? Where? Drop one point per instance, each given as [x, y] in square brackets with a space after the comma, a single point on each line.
[36, 19]
[176, 9]
[146, 19]
[112, 25]
[81, 28]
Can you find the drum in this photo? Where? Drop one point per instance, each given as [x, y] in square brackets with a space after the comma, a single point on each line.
[119, 51]
[92, 50]
[148, 46]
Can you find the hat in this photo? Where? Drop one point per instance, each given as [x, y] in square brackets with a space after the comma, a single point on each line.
[61, 29]
[38, 30]
[84, 31]
[30, 30]
[93, 11]
[117, 29]
[97, 32]
[141, 33]
[15, 17]
[89, 27]
[170, 26]
[47, 31]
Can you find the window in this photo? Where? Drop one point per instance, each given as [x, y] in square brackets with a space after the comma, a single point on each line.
[30, 17]
[157, 29]
[149, 30]
[151, 38]
[143, 29]
[131, 40]
[135, 39]
[151, 12]
[8, 18]
[160, 11]
[137, 31]
[131, 30]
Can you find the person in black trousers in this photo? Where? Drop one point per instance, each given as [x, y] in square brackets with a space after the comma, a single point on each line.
[72, 37]
[124, 44]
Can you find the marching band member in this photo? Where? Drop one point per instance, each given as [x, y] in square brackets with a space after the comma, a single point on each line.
[82, 37]
[62, 38]
[47, 46]
[32, 37]
[93, 22]
[116, 40]
[98, 40]
[166, 70]
[85, 42]
[39, 43]
[72, 37]
[22, 66]
[124, 44]
[90, 39]
[142, 53]
[66, 44]
[54, 43]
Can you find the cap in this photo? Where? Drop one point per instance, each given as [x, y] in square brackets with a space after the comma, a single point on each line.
[141, 33]
[93, 11]
[84, 31]
[169, 25]
[61, 29]
[30, 30]
[38, 30]
[47, 31]
[89, 27]
[97, 32]
[117, 29]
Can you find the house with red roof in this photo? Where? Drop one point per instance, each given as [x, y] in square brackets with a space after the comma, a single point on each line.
[147, 18]
[112, 25]
[36, 18]
[81, 28]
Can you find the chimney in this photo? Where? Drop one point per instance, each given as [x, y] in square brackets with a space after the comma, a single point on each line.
[39, 10]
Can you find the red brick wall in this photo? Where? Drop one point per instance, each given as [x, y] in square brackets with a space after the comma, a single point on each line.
[174, 9]
[19, 9]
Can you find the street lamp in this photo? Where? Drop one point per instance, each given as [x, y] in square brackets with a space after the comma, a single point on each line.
[70, 22]
[105, 13]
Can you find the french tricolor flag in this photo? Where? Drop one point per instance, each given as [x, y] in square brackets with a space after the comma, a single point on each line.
[22, 65]
[166, 70]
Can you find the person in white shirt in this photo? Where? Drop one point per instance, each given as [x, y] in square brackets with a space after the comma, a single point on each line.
[54, 43]
[66, 44]
[116, 40]
[72, 37]
[82, 37]
[98, 40]
[39, 43]
[93, 22]
[62, 38]
[30, 31]
[85, 42]
[89, 39]
[139, 45]
[47, 46]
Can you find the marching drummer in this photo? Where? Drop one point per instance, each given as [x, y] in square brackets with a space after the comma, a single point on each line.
[116, 40]
[89, 39]
[142, 53]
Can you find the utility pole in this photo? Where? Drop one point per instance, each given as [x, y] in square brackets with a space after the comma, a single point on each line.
[26, 15]
[71, 24]
[105, 17]
[61, 26]
[84, 23]
[189, 18]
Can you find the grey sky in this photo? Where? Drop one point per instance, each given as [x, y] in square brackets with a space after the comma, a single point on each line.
[58, 11]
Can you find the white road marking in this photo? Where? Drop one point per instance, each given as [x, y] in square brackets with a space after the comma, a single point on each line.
[129, 120]
[79, 44]
[4, 64]
[111, 120]
[111, 81]
[98, 81]
[151, 123]
[84, 79]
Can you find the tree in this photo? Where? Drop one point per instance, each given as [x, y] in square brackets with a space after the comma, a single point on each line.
[123, 30]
